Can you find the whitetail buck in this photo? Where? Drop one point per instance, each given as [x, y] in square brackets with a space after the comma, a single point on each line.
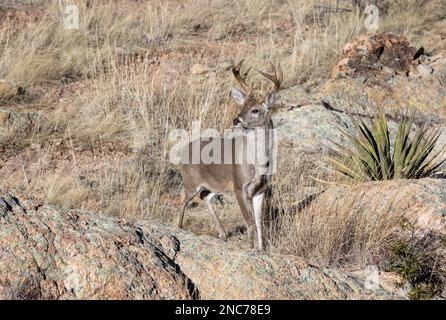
[248, 180]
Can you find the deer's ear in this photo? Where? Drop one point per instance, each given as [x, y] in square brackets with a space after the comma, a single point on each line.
[270, 99]
[238, 96]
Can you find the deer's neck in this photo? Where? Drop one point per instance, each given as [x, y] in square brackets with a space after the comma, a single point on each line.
[260, 143]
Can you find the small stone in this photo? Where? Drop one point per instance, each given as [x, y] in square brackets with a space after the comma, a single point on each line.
[227, 65]
[424, 59]
[199, 69]
[388, 70]
[36, 146]
[424, 70]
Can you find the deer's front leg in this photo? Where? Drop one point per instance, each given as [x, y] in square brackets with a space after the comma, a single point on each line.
[257, 202]
[254, 203]
[246, 209]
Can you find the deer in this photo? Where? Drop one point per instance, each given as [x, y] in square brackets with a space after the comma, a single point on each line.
[248, 181]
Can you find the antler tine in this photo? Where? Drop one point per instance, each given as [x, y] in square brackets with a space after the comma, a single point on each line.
[240, 79]
[276, 77]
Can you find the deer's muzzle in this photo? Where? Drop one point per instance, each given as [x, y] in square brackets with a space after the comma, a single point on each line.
[238, 122]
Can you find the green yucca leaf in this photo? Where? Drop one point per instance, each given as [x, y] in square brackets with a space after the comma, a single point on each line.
[381, 133]
[342, 167]
[425, 146]
[401, 146]
[369, 154]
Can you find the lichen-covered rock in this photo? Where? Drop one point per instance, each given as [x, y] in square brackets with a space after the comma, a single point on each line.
[313, 128]
[224, 271]
[48, 253]
[386, 72]
[376, 57]
[55, 254]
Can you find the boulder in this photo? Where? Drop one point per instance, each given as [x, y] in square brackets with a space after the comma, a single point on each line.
[385, 71]
[313, 128]
[49, 253]
[52, 254]
[376, 57]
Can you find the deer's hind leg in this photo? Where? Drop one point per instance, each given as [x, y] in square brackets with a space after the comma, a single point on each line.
[188, 196]
[207, 196]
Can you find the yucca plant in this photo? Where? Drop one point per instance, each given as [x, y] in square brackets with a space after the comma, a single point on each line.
[371, 156]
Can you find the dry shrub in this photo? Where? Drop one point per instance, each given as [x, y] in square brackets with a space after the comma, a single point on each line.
[45, 50]
[341, 231]
[374, 223]
[116, 191]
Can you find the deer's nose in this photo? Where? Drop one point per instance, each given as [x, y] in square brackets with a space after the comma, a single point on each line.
[237, 122]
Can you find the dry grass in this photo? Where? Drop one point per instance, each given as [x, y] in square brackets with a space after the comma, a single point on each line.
[132, 62]
[305, 37]
[334, 232]
[45, 50]
[374, 223]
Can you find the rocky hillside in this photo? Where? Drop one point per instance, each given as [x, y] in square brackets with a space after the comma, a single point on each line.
[48, 253]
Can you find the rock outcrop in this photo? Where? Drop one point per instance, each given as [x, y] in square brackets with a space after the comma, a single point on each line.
[311, 128]
[387, 72]
[48, 253]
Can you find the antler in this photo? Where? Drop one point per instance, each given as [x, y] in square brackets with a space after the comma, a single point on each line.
[240, 79]
[276, 77]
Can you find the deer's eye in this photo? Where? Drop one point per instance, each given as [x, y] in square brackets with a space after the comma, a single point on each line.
[255, 111]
